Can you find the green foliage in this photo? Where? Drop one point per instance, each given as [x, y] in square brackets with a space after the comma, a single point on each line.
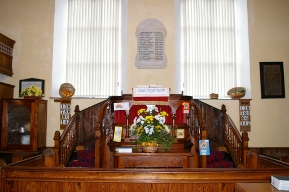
[150, 128]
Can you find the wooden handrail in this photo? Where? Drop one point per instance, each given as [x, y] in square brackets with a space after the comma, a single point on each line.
[222, 130]
[97, 121]
[236, 144]
[64, 144]
[199, 132]
[79, 129]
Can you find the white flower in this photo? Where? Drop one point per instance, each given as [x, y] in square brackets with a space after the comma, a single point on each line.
[151, 108]
[134, 121]
[167, 129]
[161, 119]
[141, 120]
[151, 131]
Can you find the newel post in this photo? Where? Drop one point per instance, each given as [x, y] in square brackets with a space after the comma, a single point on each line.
[203, 137]
[245, 139]
[56, 147]
[223, 110]
[97, 144]
[77, 112]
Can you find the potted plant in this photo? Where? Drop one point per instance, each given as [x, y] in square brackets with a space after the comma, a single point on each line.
[150, 129]
[32, 91]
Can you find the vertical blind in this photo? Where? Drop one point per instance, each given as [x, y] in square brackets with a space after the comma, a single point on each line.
[209, 47]
[93, 47]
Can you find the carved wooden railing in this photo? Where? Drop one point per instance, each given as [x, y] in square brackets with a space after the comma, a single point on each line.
[198, 132]
[236, 143]
[64, 144]
[79, 129]
[194, 121]
[96, 121]
[221, 129]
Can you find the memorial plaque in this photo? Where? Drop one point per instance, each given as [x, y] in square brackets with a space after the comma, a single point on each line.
[151, 35]
[245, 115]
[65, 112]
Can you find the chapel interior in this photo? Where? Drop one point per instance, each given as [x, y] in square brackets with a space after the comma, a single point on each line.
[81, 155]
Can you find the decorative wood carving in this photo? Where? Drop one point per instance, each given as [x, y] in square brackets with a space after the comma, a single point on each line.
[6, 51]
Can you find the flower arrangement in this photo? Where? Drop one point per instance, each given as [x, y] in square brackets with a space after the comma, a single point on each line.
[32, 91]
[150, 128]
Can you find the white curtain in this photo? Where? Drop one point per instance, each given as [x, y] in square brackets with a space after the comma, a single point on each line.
[208, 47]
[93, 47]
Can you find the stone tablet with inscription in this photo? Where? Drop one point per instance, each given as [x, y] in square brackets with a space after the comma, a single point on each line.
[151, 35]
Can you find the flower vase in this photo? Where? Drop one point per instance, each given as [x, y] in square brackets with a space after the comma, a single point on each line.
[150, 149]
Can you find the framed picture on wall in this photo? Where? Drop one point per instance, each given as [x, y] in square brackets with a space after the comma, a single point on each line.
[272, 80]
[24, 83]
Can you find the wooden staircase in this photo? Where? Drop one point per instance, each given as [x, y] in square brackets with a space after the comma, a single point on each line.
[206, 122]
[222, 132]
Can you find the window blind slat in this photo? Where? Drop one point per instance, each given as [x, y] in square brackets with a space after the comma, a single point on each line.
[208, 36]
[92, 47]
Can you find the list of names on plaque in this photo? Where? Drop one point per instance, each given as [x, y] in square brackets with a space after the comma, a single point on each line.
[151, 47]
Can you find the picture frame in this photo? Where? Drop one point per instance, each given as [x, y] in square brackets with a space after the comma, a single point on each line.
[180, 133]
[272, 80]
[24, 83]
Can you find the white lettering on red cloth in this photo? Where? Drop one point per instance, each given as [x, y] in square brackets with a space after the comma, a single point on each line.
[151, 92]
[142, 95]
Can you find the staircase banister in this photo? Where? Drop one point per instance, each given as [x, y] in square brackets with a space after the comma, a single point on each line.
[224, 115]
[234, 128]
[56, 147]
[65, 143]
[236, 143]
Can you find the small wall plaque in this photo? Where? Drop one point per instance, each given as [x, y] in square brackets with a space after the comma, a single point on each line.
[65, 112]
[151, 35]
[245, 115]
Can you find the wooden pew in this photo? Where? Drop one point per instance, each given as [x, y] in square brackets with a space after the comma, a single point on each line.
[257, 160]
[45, 159]
[35, 179]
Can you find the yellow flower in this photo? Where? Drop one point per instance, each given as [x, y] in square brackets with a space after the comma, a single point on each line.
[163, 113]
[150, 129]
[149, 119]
[32, 90]
[140, 111]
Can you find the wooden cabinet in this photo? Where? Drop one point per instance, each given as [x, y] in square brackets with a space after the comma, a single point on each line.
[24, 124]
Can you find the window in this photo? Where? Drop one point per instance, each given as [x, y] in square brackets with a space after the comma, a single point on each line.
[88, 46]
[213, 48]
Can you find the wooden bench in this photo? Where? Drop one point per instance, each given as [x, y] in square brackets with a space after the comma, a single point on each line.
[45, 159]
[35, 179]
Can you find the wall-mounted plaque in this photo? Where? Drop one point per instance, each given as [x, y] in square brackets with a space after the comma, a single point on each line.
[151, 35]
[245, 115]
[65, 112]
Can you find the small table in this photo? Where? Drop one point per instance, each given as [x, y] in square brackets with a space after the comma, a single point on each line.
[255, 187]
[171, 159]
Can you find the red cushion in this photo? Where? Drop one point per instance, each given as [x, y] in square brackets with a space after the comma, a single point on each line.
[221, 164]
[215, 156]
[85, 156]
